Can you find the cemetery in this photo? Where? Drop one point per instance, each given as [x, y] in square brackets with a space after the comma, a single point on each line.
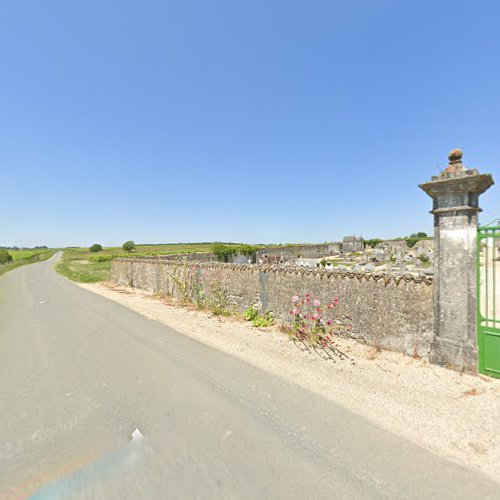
[415, 295]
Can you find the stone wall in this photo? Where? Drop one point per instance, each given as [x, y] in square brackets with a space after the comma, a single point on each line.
[393, 312]
[238, 258]
[285, 253]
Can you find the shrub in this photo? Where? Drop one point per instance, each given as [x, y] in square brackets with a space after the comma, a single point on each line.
[372, 243]
[411, 242]
[95, 248]
[316, 325]
[102, 258]
[251, 314]
[5, 256]
[246, 249]
[263, 321]
[128, 246]
[424, 258]
[223, 252]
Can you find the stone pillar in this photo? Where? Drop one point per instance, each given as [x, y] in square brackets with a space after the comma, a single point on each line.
[455, 194]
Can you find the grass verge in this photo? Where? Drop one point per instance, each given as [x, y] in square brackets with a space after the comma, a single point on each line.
[25, 258]
[77, 269]
[83, 266]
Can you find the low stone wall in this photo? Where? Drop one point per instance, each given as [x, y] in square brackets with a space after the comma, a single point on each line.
[276, 253]
[392, 312]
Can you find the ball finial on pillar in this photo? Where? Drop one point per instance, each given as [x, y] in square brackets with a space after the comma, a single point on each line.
[455, 193]
[455, 155]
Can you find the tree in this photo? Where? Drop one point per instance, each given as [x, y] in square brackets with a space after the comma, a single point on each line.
[223, 252]
[128, 246]
[372, 243]
[95, 248]
[4, 256]
[418, 235]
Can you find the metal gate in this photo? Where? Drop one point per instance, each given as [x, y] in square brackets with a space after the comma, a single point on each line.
[488, 298]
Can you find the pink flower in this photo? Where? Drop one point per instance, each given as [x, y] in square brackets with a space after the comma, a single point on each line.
[335, 302]
[295, 299]
[306, 316]
[295, 311]
[329, 322]
[316, 303]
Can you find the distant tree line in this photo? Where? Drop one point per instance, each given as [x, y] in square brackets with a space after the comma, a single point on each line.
[41, 247]
[411, 240]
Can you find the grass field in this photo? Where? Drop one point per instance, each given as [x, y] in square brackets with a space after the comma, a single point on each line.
[23, 257]
[76, 268]
[77, 264]
[30, 253]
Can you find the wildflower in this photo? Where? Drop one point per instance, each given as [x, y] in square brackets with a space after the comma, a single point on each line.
[295, 311]
[329, 322]
[316, 303]
[335, 302]
[295, 299]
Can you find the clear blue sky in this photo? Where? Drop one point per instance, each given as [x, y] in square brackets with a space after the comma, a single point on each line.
[254, 121]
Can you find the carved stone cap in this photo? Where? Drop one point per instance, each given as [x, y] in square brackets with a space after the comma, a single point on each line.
[457, 179]
[455, 166]
[474, 183]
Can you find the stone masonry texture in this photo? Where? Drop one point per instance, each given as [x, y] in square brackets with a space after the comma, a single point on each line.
[388, 311]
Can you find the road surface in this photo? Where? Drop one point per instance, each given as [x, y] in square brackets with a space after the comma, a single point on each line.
[79, 374]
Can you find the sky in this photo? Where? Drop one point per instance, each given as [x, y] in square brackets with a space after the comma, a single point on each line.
[231, 120]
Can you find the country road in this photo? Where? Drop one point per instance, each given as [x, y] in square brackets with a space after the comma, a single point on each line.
[80, 373]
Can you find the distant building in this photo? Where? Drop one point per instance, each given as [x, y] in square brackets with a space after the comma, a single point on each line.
[352, 244]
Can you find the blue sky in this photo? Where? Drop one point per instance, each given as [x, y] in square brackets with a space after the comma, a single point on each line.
[254, 121]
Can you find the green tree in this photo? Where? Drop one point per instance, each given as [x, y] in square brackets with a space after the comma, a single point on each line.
[4, 256]
[418, 235]
[128, 246]
[95, 248]
[223, 252]
[372, 243]
[411, 242]
[246, 249]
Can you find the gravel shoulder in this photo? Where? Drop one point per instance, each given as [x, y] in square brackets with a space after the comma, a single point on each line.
[454, 415]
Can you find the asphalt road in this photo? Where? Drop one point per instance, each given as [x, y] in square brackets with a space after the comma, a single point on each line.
[80, 373]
